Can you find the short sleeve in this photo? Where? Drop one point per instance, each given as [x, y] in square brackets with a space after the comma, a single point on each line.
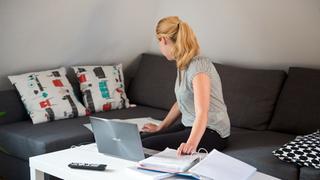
[199, 65]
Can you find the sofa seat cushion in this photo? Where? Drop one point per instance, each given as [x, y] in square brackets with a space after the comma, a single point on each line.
[23, 139]
[245, 139]
[307, 173]
[250, 94]
[255, 148]
[265, 162]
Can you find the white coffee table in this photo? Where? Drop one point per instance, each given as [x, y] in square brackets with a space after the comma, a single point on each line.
[56, 164]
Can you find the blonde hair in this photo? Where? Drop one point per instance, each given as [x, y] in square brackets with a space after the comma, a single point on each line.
[185, 42]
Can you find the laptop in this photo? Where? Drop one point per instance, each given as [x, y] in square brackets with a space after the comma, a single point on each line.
[119, 139]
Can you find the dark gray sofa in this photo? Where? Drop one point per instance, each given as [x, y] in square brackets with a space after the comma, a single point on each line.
[267, 108]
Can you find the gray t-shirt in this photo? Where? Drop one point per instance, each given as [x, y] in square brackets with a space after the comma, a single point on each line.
[218, 119]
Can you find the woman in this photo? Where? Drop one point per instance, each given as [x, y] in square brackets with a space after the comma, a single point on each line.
[205, 122]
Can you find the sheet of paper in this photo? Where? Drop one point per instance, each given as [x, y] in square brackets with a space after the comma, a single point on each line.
[88, 126]
[220, 166]
[168, 160]
[146, 174]
[138, 121]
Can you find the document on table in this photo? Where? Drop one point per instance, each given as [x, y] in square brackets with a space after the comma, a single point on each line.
[142, 174]
[217, 165]
[138, 121]
[168, 161]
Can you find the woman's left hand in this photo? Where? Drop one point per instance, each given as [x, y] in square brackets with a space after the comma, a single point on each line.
[186, 149]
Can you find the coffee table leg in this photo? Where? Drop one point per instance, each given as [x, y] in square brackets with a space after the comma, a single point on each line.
[36, 174]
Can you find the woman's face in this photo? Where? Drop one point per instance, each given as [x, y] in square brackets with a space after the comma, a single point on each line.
[165, 46]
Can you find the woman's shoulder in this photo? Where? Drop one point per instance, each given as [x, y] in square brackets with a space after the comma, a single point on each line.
[200, 61]
[200, 64]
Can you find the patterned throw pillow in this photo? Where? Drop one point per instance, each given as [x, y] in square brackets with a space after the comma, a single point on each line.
[102, 87]
[48, 95]
[304, 151]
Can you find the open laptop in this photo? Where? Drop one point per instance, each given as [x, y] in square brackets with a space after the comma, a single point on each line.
[118, 139]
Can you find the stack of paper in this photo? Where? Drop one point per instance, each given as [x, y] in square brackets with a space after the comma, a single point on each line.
[215, 165]
[220, 166]
[142, 174]
[168, 161]
[140, 122]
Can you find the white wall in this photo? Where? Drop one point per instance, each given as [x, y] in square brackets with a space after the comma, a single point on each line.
[252, 33]
[45, 34]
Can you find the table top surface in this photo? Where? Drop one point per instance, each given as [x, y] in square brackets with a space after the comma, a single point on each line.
[56, 163]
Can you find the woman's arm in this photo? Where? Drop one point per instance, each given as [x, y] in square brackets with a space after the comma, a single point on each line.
[171, 117]
[201, 90]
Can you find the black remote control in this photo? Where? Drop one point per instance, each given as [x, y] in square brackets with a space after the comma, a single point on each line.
[97, 167]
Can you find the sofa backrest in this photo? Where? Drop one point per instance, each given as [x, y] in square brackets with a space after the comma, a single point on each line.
[153, 83]
[298, 108]
[250, 94]
[11, 104]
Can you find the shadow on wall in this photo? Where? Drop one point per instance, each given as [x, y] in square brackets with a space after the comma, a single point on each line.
[128, 71]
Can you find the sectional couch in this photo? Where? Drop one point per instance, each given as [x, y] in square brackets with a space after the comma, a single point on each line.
[267, 108]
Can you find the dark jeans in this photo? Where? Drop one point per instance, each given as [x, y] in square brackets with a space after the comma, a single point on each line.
[176, 134]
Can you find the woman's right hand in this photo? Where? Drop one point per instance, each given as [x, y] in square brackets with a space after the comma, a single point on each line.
[150, 127]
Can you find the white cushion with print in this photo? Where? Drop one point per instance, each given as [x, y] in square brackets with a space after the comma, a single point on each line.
[303, 151]
[48, 95]
[102, 87]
